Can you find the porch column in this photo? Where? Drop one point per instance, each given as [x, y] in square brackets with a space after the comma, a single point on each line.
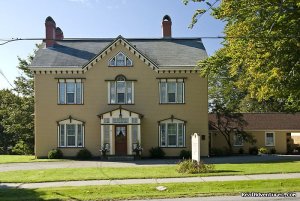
[112, 146]
[101, 137]
[139, 135]
[129, 139]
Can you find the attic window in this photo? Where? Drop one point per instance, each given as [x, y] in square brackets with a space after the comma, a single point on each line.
[120, 60]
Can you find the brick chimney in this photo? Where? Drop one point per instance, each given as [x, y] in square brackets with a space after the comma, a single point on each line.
[59, 34]
[166, 26]
[50, 31]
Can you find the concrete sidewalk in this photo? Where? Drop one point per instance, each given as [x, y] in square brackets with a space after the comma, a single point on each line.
[150, 181]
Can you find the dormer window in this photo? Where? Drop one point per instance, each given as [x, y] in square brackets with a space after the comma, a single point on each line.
[120, 60]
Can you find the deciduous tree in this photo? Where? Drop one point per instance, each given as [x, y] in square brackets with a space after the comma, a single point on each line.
[17, 112]
[227, 124]
[260, 54]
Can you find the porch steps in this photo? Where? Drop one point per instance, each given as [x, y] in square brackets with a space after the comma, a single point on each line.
[120, 158]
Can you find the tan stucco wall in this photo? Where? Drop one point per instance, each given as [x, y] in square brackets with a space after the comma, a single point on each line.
[218, 141]
[146, 98]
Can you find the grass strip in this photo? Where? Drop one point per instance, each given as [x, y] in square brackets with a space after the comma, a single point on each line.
[147, 191]
[24, 159]
[77, 174]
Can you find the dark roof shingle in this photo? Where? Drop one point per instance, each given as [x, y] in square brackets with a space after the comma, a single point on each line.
[269, 121]
[164, 52]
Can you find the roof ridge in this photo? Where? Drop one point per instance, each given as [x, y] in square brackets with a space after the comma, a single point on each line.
[111, 39]
[262, 113]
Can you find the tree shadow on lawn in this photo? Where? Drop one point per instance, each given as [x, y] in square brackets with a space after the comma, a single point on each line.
[13, 193]
[251, 159]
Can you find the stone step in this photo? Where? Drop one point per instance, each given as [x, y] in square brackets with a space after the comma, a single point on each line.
[120, 158]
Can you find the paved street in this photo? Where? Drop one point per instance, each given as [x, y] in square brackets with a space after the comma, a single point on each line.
[230, 198]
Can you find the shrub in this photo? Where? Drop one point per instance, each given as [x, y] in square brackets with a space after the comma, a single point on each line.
[220, 152]
[55, 154]
[157, 152]
[273, 151]
[84, 154]
[253, 150]
[216, 152]
[185, 154]
[21, 148]
[263, 150]
[226, 151]
[193, 167]
[241, 151]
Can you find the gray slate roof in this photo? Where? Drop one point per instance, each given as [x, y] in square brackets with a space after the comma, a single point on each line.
[76, 53]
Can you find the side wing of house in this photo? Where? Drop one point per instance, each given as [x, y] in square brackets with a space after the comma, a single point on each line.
[270, 130]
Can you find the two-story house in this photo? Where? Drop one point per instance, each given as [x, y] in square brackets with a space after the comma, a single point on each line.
[119, 93]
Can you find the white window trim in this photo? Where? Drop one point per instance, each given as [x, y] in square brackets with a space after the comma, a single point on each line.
[76, 123]
[273, 139]
[76, 82]
[125, 94]
[176, 91]
[234, 141]
[115, 57]
[166, 122]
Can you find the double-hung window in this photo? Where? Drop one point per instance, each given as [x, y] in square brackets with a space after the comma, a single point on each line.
[121, 91]
[172, 133]
[270, 139]
[238, 140]
[171, 91]
[70, 134]
[70, 91]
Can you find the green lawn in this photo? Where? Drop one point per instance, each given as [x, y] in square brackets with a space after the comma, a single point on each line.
[23, 159]
[73, 174]
[147, 191]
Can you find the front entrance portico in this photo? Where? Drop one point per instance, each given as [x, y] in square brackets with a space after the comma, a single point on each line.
[120, 131]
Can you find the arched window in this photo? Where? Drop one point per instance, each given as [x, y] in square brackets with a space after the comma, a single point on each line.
[120, 91]
[120, 60]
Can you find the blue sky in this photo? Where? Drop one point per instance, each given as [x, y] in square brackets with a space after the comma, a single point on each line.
[95, 19]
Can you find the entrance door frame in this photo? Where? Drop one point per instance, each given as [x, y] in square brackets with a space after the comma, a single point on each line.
[124, 149]
[119, 117]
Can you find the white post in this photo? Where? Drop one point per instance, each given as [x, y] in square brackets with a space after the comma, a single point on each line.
[196, 147]
[111, 151]
[129, 139]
